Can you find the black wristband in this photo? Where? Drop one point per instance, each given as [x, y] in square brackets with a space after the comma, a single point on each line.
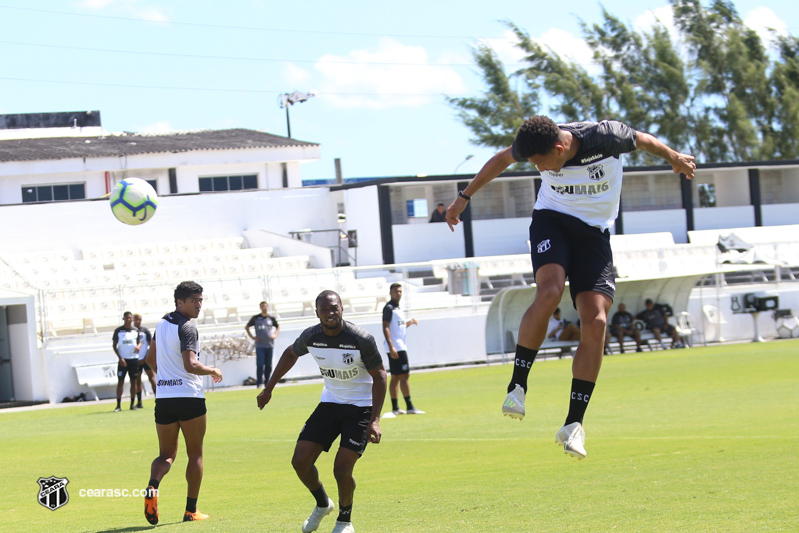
[463, 195]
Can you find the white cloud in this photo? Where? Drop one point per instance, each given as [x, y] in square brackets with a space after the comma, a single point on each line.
[664, 15]
[506, 49]
[297, 77]
[391, 75]
[763, 20]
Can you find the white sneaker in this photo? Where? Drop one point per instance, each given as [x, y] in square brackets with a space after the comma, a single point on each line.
[318, 513]
[572, 438]
[415, 411]
[398, 412]
[343, 527]
[514, 403]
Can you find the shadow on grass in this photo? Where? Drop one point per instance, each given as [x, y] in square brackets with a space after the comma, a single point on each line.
[137, 528]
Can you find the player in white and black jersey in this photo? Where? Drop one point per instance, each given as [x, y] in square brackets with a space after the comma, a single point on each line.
[581, 173]
[180, 401]
[352, 398]
[394, 326]
[125, 341]
[145, 339]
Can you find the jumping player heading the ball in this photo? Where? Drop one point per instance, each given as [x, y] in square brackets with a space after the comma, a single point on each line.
[581, 173]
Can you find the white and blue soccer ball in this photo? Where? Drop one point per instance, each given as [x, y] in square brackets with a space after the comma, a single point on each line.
[133, 201]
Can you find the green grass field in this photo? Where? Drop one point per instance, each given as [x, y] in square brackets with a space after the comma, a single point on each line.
[688, 440]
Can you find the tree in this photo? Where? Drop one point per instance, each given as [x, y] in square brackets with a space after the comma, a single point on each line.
[714, 93]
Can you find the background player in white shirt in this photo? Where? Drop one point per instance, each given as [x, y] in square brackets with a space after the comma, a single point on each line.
[352, 399]
[581, 172]
[394, 325]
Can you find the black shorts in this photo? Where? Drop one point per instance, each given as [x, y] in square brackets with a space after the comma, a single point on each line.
[329, 420]
[171, 410]
[399, 365]
[131, 368]
[582, 250]
[143, 365]
[667, 328]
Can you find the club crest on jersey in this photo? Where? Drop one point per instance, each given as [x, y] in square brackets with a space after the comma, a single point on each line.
[53, 492]
[543, 246]
[348, 358]
[596, 172]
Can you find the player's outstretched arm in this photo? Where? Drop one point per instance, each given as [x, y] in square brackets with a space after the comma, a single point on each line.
[152, 358]
[286, 362]
[378, 396]
[493, 168]
[681, 163]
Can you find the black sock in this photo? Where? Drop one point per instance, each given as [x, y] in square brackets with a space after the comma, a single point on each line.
[191, 505]
[119, 401]
[138, 395]
[408, 403]
[321, 496]
[344, 513]
[394, 404]
[521, 367]
[581, 393]
[153, 483]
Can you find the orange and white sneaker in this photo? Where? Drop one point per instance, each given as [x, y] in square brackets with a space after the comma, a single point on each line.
[196, 515]
[151, 505]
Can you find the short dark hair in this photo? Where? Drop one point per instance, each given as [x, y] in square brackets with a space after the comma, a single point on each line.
[325, 294]
[557, 310]
[536, 136]
[394, 286]
[440, 204]
[264, 302]
[648, 301]
[126, 313]
[186, 289]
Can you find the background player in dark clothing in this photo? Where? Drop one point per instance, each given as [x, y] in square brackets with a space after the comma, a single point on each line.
[657, 322]
[266, 331]
[581, 172]
[622, 324]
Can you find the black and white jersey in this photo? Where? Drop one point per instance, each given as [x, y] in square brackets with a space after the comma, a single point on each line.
[145, 339]
[396, 319]
[589, 184]
[126, 340]
[344, 361]
[175, 334]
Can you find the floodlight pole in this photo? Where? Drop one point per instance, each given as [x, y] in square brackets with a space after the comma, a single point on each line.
[288, 99]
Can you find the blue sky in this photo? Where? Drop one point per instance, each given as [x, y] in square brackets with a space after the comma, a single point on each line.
[381, 68]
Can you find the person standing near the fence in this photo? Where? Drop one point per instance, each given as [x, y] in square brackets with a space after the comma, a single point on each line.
[126, 345]
[180, 400]
[145, 338]
[581, 174]
[266, 331]
[350, 406]
[394, 325]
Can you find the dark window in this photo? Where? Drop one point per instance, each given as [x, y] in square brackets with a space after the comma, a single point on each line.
[154, 184]
[29, 194]
[77, 191]
[44, 194]
[250, 181]
[229, 183]
[54, 193]
[220, 183]
[60, 193]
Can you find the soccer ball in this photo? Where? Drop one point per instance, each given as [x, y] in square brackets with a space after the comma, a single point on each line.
[133, 201]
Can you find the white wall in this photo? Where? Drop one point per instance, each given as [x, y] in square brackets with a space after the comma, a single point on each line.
[779, 214]
[62, 225]
[732, 187]
[363, 215]
[415, 243]
[505, 236]
[672, 220]
[26, 359]
[724, 217]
